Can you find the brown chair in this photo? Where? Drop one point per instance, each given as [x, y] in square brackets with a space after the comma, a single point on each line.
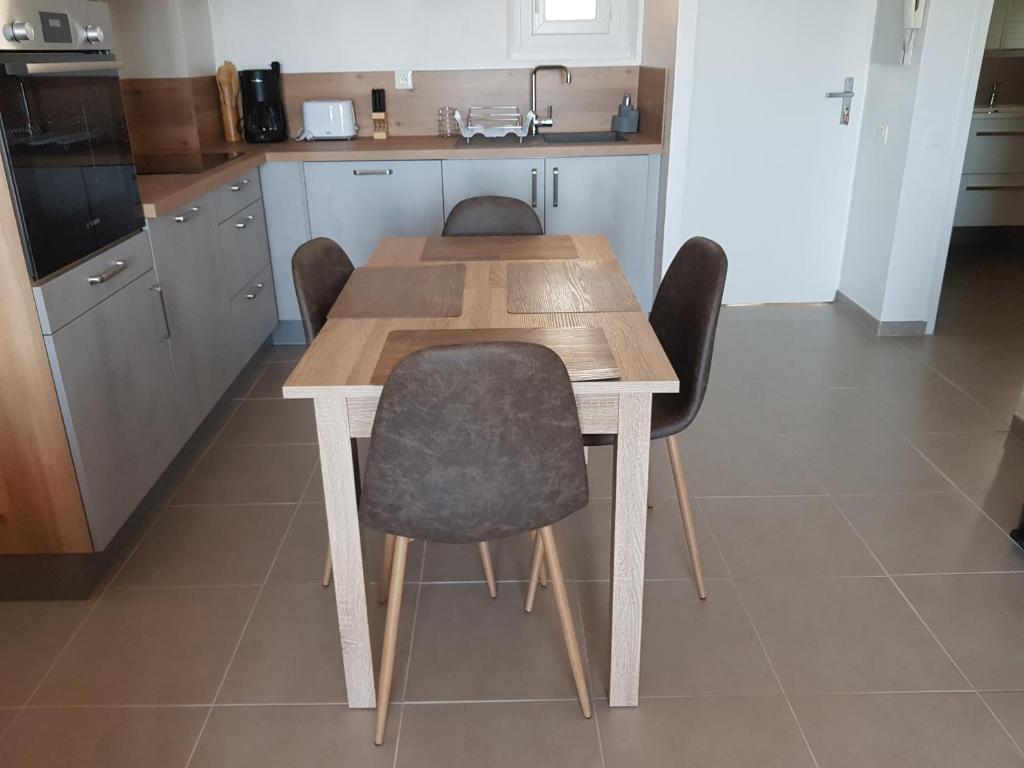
[684, 318]
[490, 215]
[472, 443]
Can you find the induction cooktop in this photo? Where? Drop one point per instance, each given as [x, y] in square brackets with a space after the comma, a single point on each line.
[182, 162]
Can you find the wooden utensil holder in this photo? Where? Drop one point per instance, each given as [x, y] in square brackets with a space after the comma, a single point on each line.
[380, 125]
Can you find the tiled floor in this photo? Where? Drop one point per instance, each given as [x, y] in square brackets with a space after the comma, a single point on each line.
[865, 609]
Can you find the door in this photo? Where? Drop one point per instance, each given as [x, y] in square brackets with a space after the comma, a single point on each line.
[114, 379]
[607, 196]
[769, 169]
[518, 178]
[356, 204]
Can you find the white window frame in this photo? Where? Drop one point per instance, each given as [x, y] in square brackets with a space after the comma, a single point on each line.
[612, 37]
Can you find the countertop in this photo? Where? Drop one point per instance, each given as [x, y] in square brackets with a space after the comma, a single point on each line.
[164, 193]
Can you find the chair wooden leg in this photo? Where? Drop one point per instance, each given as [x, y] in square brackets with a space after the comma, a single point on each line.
[387, 656]
[385, 568]
[572, 647]
[538, 556]
[543, 565]
[485, 558]
[328, 568]
[687, 512]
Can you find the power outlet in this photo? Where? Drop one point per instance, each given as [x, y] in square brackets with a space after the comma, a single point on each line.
[403, 79]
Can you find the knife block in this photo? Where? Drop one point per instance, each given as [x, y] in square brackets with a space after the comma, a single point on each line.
[380, 125]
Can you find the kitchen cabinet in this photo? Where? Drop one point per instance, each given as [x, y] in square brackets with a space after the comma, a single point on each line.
[522, 179]
[253, 315]
[116, 387]
[358, 203]
[1006, 30]
[243, 246]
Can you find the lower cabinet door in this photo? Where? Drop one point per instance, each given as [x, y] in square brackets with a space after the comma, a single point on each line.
[253, 315]
[116, 388]
[522, 179]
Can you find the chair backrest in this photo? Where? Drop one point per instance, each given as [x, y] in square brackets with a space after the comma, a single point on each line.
[685, 317]
[492, 216]
[473, 443]
[320, 269]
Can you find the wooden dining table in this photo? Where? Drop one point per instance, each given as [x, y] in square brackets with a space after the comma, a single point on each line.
[568, 290]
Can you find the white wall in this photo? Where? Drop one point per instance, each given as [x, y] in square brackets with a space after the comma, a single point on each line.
[171, 38]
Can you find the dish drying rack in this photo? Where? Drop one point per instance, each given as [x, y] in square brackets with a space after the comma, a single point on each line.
[495, 123]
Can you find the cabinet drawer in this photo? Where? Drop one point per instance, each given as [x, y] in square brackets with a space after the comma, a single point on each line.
[65, 297]
[996, 145]
[253, 316]
[990, 200]
[244, 247]
[240, 193]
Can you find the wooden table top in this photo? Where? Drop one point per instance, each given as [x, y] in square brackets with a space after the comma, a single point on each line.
[343, 358]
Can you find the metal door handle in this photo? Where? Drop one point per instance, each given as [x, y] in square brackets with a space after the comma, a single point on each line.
[534, 190]
[238, 187]
[846, 95]
[63, 67]
[118, 267]
[554, 175]
[255, 291]
[181, 218]
[373, 172]
[163, 309]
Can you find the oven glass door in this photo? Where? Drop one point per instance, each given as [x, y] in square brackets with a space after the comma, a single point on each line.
[68, 155]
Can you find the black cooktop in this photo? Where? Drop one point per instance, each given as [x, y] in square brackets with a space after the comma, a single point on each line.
[182, 162]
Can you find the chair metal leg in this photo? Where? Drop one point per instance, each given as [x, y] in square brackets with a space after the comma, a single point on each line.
[387, 656]
[328, 567]
[687, 512]
[538, 557]
[565, 617]
[385, 568]
[485, 558]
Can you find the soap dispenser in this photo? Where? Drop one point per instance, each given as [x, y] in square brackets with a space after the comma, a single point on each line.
[628, 118]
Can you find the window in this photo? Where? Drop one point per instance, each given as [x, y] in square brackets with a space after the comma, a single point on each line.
[573, 30]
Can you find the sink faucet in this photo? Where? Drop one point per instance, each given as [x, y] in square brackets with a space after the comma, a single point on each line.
[993, 97]
[544, 122]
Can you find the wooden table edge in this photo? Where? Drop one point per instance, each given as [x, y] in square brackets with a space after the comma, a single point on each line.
[580, 388]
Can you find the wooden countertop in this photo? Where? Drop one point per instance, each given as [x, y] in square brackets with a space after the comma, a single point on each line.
[164, 193]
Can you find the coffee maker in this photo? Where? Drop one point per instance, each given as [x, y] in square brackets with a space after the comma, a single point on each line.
[262, 108]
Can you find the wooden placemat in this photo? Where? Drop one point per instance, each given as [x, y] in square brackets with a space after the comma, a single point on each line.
[585, 351]
[499, 248]
[568, 286]
[403, 292]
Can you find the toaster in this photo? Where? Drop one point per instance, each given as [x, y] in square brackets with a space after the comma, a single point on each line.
[329, 119]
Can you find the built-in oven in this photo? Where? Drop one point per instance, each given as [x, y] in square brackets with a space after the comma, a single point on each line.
[64, 135]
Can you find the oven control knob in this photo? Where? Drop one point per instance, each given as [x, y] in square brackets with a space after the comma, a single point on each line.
[19, 32]
[94, 35]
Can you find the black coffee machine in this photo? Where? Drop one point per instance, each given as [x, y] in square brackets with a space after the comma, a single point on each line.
[262, 108]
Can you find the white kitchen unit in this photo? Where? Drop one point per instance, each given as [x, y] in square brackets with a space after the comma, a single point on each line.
[522, 179]
[992, 185]
[1006, 31]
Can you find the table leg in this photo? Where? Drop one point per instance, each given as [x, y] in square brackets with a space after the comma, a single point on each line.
[629, 535]
[343, 529]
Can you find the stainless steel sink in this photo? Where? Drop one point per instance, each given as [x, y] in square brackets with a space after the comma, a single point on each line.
[583, 137]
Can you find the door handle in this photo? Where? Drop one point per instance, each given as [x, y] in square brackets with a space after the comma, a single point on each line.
[846, 95]
[534, 187]
[256, 289]
[554, 176]
[372, 172]
[163, 309]
[118, 267]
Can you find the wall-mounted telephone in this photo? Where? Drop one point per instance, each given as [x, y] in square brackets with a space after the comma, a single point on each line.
[913, 20]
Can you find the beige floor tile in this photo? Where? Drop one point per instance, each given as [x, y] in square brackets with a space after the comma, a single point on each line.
[796, 536]
[91, 737]
[910, 730]
[511, 557]
[1009, 708]
[291, 652]
[301, 559]
[842, 635]
[930, 533]
[979, 619]
[497, 735]
[33, 634]
[274, 737]
[271, 380]
[151, 646]
[250, 475]
[691, 647]
[666, 555]
[867, 464]
[934, 405]
[224, 545]
[245, 381]
[271, 422]
[987, 467]
[461, 634]
[703, 733]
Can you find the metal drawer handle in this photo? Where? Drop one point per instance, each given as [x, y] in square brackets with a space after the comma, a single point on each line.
[534, 188]
[238, 186]
[995, 188]
[163, 308]
[555, 183]
[181, 218]
[255, 291]
[373, 172]
[999, 133]
[118, 267]
[241, 224]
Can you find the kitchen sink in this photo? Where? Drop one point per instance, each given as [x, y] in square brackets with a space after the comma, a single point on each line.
[583, 137]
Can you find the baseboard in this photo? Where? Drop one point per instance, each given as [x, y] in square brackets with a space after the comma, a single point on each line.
[289, 333]
[881, 327]
[1017, 426]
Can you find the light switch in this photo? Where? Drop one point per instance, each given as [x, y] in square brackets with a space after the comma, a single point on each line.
[882, 137]
[403, 79]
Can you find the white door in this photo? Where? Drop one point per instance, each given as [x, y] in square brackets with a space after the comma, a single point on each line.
[769, 168]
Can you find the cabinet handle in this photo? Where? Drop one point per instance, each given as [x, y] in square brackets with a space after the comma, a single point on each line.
[237, 187]
[373, 172]
[554, 175]
[118, 267]
[999, 133]
[182, 218]
[254, 292]
[534, 187]
[994, 188]
[163, 309]
[241, 224]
